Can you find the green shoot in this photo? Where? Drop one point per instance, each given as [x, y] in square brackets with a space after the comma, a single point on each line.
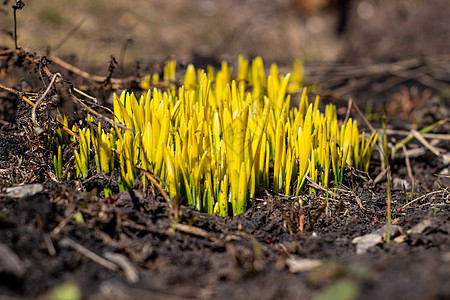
[57, 163]
[215, 139]
[406, 195]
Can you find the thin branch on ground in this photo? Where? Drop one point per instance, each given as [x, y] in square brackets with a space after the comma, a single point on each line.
[361, 114]
[349, 110]
[116, 82]
[438, 136]
[149, 176]
[318, 186]
[408, 163]
[38, 102]
[89, 254]
[427, 145]
[79, 101]
[411, 135]
[17, 93]
[422, 197]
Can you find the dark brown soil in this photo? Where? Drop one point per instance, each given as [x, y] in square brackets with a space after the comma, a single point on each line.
[132, 246]
[241, 257]
[203, 256]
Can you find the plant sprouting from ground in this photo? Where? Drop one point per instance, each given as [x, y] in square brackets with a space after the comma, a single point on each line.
[63, 140]
[57, 163]
[215, 138]
[82, 156]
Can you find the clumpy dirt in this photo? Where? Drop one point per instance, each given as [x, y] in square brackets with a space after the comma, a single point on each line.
[134, 245]
[242, 257]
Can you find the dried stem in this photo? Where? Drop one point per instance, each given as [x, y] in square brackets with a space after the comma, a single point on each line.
[33, 111]
[421, 197]
[388, 175]
[427, 145]
[410, 172]
[79, 101]
[17, 6]
[13, 91]
[89, 254]
[411, 135]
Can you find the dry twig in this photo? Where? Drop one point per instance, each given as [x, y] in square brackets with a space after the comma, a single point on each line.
[33, 111]
[427, 145]
[192, 230]
[13, 91]
[89, 254]
[421, 197]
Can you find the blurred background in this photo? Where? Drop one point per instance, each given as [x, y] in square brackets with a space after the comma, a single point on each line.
[88, 32]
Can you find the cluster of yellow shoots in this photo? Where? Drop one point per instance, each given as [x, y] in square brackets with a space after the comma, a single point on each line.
[215, 138]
